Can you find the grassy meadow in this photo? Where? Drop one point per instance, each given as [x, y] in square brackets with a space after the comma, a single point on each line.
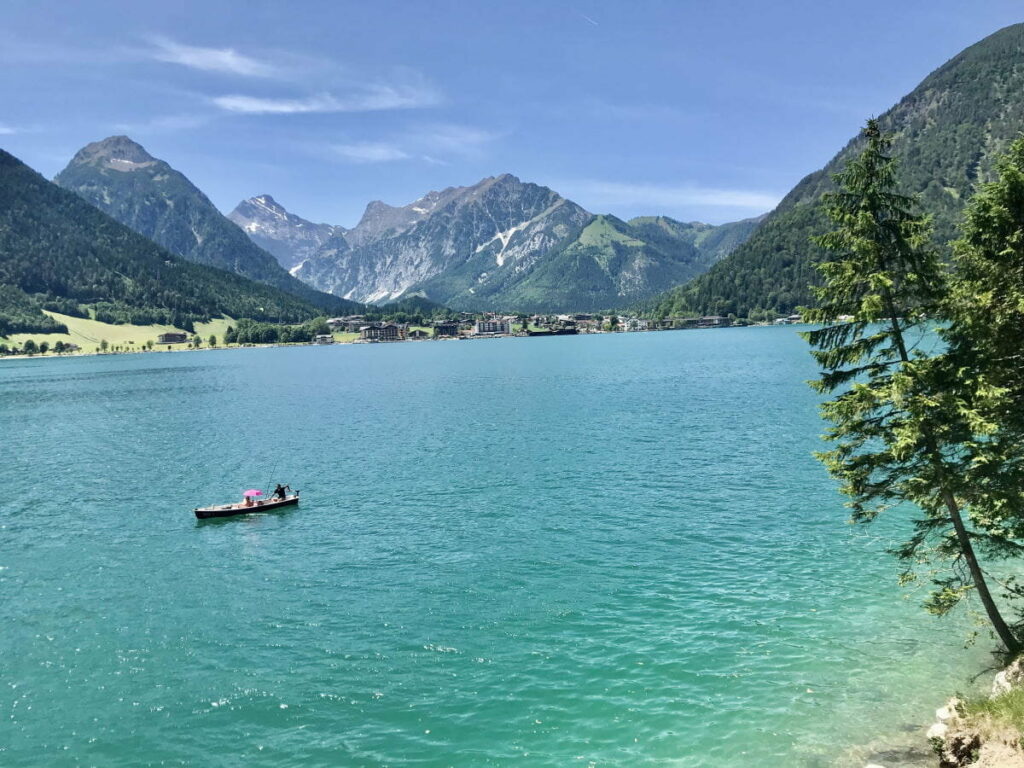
[88, 334]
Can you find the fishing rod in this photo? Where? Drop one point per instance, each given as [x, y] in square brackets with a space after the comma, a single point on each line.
[272, 473]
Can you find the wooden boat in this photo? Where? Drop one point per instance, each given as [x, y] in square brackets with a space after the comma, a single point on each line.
[229, 510]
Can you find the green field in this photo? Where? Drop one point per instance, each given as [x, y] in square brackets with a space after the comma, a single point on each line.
[217, 327]
[89, 333]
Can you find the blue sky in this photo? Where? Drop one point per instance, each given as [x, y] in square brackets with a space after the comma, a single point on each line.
[698, 110]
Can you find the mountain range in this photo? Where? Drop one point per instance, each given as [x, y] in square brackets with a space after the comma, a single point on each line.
[500, 244]
[60, 253]
[948, 131]
[124, 181]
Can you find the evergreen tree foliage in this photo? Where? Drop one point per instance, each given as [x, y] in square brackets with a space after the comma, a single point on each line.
[253, 332]
[985, 335]
[902, 435]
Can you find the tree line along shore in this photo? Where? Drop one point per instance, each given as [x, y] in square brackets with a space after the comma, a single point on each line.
[87, 336]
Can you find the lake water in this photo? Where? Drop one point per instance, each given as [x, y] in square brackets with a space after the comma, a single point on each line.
[610, 550]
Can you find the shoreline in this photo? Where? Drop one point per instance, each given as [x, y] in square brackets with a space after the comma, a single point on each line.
[184, 348]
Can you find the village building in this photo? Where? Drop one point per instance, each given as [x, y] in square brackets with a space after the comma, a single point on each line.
[714, 321]
[635, 324]
[382, 332]
[442, 330]
[491, 327]
[793, 320]
[323, 338]
[349, 323]
[418, 334]
[172, 337]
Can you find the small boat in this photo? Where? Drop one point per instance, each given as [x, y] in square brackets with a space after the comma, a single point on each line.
[241, 508]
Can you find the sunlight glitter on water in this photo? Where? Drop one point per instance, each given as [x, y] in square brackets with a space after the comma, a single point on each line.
[612, 549]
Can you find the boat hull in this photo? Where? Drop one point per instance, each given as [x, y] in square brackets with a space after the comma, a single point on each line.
[230, 510]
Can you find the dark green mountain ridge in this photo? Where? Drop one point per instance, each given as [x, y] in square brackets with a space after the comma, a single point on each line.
[59, 252]
[947, 132]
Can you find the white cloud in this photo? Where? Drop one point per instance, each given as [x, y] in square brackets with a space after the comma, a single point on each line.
[255, 105]
[371, 98]
[370, 152]
[225, 60]
[6, 130]
[597, 194]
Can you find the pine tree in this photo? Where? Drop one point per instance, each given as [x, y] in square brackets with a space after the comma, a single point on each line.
[900, 434]
[986, 311]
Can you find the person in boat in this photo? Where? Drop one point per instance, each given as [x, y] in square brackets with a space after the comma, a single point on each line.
[279, 491]
[247, 501]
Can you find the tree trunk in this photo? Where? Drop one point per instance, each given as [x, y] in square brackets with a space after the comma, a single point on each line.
[1013, 645]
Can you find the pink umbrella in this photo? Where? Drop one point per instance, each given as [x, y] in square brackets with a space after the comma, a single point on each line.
[252, 492]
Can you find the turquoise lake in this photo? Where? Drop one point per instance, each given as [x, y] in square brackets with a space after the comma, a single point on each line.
[609, 550]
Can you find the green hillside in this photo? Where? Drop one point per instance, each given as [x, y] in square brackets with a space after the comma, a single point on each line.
[59, 253]
[609, 263]
[948, 130]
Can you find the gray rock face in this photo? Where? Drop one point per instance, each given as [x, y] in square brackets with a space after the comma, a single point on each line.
[289, 238]
[118, 153]
[461, 239]
[501, 244]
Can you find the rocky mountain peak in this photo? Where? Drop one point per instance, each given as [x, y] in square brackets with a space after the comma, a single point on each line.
[506, 179]
[375, 209]
[259, 207]
[380, 218]
[289, 238]
[118, 152]
[268, 201]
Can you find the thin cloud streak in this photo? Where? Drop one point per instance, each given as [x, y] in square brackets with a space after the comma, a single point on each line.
[225, 60]
[612, 194]
[370, 152]
[6, 130]
[373, 98]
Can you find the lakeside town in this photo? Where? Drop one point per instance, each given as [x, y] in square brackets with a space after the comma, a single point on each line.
[359, 329]
[490, 325]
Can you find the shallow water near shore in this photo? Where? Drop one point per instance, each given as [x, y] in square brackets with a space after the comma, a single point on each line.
[604, 550]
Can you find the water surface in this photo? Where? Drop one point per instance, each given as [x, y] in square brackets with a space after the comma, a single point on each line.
[608, 550]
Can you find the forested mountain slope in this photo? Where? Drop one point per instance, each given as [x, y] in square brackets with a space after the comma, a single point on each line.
[948, 130]
[61, 253]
